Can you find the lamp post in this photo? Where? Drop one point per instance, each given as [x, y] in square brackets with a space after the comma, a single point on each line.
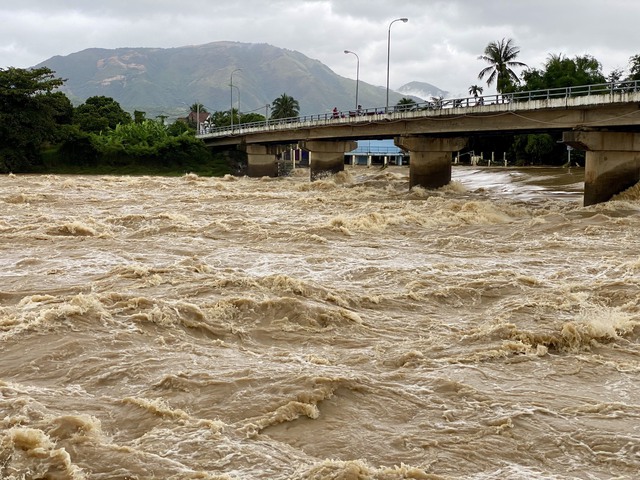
[357, 74]
[238, 90]
[404, 20]
[231, 89]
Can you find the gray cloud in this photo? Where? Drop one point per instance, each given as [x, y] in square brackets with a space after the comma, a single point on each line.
[440, 43]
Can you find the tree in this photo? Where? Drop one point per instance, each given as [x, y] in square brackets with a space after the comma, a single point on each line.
[221, 118]
[179, 127]
[29, 115]
[285, 107]
[615, 76]
[560, 71]
[405, 103]
[539, 146]
[198, 107]
[634, 68]
[100, 113]
[139, 116]
[501, 57]
[251, 117]
[475, 90]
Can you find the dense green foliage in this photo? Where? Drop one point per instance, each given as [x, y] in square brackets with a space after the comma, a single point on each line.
[31, 115]
[223, 119]
[98, 114]
[144, 147]
[251, 117]
[40, 131]
[559, 71]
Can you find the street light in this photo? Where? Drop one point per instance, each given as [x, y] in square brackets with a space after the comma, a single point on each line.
[231, 85]
[238, 89]
[357, 74]
[404, 20]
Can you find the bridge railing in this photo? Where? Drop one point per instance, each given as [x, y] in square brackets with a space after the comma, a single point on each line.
[375, 150]
[381, 113]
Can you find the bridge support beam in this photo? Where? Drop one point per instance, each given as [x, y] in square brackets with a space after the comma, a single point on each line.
[430, 159]
[326, 157]
[261, 161]
[612, 162]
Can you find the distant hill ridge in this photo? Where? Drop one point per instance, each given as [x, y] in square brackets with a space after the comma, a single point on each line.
[165, 81]
[422, 90]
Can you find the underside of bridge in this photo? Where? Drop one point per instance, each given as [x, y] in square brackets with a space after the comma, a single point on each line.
[603, 120]
[612, 159]
[429, 165]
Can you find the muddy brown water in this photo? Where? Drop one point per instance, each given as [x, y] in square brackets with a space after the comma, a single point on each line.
[349, 328]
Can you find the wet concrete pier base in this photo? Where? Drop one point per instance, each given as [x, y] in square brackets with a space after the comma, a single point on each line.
[430, 159]
[612, 162]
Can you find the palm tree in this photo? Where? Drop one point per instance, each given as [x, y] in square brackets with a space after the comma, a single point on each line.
[196, 112]
[285, 107]
[501, 57]
[405, 103]
[475, 90]
[198, 107]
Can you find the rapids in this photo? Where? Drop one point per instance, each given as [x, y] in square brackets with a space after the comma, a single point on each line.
[347, 328]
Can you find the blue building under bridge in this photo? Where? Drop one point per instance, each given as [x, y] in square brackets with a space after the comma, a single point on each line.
[376, 152]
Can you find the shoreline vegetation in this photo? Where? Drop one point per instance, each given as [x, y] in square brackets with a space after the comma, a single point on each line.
[206, 164]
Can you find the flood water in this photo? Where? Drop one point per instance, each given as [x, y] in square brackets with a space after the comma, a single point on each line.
[345, 329]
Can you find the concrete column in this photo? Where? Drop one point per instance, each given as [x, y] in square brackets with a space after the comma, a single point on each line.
[612, 162]
[430, 159]
[261, 161]
[326, 157]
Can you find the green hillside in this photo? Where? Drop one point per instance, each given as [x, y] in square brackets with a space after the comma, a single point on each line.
[164, 81]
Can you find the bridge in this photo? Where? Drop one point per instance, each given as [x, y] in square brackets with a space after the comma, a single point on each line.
[602, 119]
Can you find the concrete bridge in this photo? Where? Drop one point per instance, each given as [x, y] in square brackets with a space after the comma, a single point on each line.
[602, 119]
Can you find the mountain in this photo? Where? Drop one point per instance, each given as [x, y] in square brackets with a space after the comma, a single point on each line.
[422, 90]
[165, 81]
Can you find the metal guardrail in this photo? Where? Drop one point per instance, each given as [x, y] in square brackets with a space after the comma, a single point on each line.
[375, 150]
[379, 113]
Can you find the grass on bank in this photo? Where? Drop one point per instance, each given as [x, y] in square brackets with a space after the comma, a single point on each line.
[211, 165]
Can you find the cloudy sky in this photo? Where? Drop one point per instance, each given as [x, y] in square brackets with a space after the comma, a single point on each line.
[439, 44]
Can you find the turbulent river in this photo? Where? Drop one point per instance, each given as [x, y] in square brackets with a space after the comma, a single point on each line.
[344, 329]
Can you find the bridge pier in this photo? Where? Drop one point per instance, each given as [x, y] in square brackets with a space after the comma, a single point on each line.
[430, 159]
[612, 162]
[261, 160]
[326, 157]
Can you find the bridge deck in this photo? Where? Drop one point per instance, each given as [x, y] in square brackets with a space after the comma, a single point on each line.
[591, 106]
